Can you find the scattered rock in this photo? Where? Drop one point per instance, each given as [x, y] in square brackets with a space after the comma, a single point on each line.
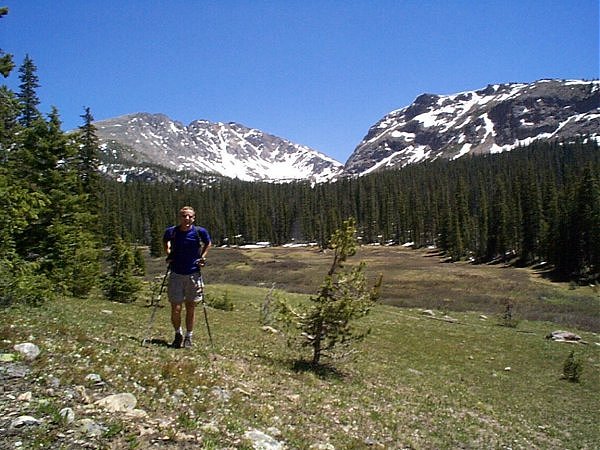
[221, 394]
[118, 402]
[25, 421]
[91, 428]
[428, 312]
[93, 378]
[13, 370]
[262, 441]
[28, 350]
[67, 414]
[322, 446]
[25, 396]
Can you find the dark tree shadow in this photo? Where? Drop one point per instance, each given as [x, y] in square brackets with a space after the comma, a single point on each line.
[323, 371]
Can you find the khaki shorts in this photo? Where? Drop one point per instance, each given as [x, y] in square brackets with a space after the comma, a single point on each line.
[185, 288]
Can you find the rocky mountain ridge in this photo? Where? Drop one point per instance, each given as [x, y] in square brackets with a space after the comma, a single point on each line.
[494, 119]
[497, 118]
[147, 144]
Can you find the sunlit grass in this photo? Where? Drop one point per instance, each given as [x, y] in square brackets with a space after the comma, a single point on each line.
[415, 382]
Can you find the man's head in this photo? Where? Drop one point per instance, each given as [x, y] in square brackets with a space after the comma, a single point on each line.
[187, 215]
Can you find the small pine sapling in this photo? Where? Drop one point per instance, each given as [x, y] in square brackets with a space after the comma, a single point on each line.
[326, 324]
[572, 368]
[508, 318]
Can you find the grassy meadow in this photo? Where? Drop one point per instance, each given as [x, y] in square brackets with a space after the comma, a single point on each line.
[416, 382]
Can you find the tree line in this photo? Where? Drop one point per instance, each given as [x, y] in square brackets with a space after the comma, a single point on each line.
[539, 203]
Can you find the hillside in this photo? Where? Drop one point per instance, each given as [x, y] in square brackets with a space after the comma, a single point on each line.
[448, 380]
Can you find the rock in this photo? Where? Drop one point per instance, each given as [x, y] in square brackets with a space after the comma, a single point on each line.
[262, 441]
[322, 446]
[269, 329]
[53, 382]
[221, 394]
[118, 402]
[28, 350]
[93, 378]
[428, 312]
[295, 398]
[91, 428]
[13, 370]
[562, 336]
[25, 397]
[82, 394]
[25, 421]
[67, 414]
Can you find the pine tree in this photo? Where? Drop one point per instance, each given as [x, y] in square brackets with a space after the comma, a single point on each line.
[121, 285]
[28, 92]
[89, 160]
[6, 61]
[344, 297]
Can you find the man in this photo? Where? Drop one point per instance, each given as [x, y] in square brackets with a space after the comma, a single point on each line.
[186, 246]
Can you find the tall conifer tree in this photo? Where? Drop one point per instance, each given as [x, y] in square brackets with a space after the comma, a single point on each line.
[28, 92]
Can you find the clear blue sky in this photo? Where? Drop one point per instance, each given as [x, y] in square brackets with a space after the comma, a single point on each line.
[317, 72]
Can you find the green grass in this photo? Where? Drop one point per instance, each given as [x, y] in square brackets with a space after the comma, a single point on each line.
[415, 382]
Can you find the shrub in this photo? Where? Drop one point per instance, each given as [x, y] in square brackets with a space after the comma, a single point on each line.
[572, 368]
[222, 302]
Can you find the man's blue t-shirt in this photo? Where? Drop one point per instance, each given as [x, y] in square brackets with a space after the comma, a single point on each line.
[185, 248]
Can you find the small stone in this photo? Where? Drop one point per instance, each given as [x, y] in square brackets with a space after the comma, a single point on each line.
[118, 402]
[25, 397]
[28, 350]
[262, 440]
[67, 414]
[91, 428]
[25, 421]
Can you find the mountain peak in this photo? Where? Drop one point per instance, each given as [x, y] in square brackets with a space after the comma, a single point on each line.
[203, 147]
[493, 119]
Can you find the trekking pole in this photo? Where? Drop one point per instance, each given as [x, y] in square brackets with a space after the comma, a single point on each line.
[156, 302]
[210, 339]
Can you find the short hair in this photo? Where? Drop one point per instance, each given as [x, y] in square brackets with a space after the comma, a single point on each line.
[187, 208]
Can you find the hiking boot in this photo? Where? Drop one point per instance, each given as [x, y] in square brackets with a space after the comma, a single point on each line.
[187, 342]
[177, 341]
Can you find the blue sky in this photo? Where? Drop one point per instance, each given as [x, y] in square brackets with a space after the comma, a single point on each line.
[316, 72]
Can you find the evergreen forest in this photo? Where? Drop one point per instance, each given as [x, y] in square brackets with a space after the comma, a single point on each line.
[539, 203]
[59, 215]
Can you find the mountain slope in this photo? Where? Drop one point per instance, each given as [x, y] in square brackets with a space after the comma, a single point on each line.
[133, 142]
[497, 118]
